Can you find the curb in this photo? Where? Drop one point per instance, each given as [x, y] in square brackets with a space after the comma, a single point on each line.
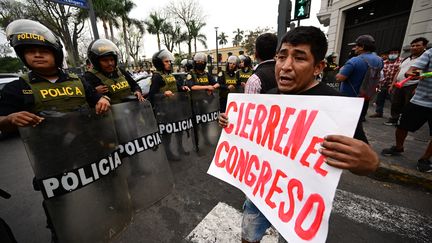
[401, 175]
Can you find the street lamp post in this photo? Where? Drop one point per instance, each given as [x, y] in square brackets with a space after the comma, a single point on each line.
[217, 53]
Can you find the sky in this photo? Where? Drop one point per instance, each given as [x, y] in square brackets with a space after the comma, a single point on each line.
[228, 15]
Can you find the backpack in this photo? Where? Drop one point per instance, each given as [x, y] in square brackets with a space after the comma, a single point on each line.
[369, 82]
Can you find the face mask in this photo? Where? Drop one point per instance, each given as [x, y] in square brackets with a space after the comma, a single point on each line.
[200, 66]
[392, 56]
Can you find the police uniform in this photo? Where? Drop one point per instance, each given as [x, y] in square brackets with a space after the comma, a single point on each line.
[202, 79]
[34, 94]
[226, 79]
[120, 84]
[244, 76]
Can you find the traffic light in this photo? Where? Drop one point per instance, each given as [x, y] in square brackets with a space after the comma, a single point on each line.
[302, 9]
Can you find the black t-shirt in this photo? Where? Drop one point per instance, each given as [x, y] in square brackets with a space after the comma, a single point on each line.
[323, 89]
[16, 97]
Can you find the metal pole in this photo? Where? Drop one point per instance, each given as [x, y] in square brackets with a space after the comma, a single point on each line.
[217, 53]
[93, 19]
[284, 17]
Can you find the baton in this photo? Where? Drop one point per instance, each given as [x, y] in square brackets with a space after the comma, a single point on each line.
[401, 83]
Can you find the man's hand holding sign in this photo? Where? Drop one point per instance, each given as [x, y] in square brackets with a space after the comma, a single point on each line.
[281, 151]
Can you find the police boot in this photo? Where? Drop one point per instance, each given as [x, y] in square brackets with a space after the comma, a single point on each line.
[172, 156]
[181, 150]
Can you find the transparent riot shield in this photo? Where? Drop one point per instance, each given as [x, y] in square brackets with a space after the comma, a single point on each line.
[174, 118]
[148, 173]
[75, 162]
[205, 107]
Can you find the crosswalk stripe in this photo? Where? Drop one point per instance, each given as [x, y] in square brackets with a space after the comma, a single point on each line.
[383, 216]
[223, 223]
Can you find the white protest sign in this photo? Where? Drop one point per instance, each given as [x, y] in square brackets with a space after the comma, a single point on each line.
[269, 150]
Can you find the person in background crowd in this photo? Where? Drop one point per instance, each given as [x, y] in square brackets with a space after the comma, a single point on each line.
[186, 65]
[401, 96]
[106, 77]
[416, 113]
[263, 78]
[391, 66]
[299, 60]
[330, 70]
[354, 70]
[229, 80]
[245, 70]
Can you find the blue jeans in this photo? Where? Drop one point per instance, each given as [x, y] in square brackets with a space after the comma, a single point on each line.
[380, 100]
[254, 223]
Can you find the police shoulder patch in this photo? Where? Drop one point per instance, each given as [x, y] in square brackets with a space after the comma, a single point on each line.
[189, 77]
[220, 74]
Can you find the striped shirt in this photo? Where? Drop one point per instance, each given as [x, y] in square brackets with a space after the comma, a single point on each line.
[423, 93]
[253, 84]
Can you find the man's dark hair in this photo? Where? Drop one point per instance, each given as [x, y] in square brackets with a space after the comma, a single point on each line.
[265, 46]
[309, 35]
[422, 39]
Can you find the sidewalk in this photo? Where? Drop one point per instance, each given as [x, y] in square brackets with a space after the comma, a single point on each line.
[399, 169]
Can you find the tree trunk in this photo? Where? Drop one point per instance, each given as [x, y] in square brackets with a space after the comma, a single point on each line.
[105, 27]
[111, 30]
[125, 41]
[158, 40]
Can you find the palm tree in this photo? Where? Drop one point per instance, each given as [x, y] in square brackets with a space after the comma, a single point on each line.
[238, 37]
[106, 11]
[154, 26]
[127, 6]
[223, 39]
[195, 28]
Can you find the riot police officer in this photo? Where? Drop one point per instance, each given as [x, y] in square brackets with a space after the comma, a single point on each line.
[245, 70]
[163, 82]
[106, 77]
[199, 78]
[187, 65]
[46, 86]
[229, 80]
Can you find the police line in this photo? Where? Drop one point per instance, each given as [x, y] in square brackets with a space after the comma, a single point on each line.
[77, 178]
[183, 125]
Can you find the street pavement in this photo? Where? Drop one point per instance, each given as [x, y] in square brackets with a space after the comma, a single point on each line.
[201, 208]
[399, 169]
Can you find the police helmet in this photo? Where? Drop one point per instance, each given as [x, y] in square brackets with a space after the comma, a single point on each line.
[202, 58]
[24, 32]
[158, 58]
[187, 64]
[233, 59]
[102, 48]
[247, 61]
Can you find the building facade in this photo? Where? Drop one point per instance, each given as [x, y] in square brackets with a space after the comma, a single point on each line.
[393, 23]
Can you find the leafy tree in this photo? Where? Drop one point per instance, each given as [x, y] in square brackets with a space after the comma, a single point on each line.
[186, 11]
[10, 64]
[154, 26]
[106, 11]
[249, 42]
[135, 42]
[238, 37]
[195, 28]
[222, 39]
[127, 6]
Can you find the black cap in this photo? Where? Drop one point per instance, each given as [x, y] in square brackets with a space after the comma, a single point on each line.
[363, 40]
